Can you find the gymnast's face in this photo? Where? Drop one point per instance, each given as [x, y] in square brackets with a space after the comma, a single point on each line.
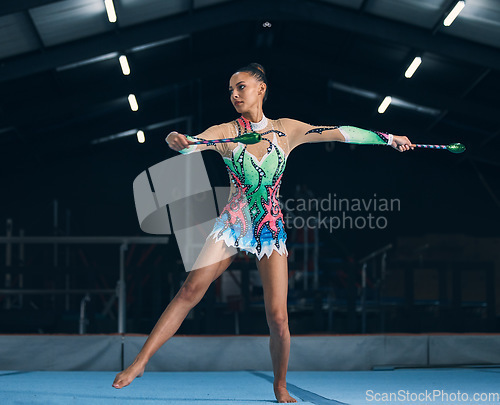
[246, 92]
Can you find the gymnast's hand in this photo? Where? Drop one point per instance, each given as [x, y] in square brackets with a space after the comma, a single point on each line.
[177, 141]
[401, 143]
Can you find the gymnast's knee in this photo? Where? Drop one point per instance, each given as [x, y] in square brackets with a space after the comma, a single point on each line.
[278, 324]
[191, 293]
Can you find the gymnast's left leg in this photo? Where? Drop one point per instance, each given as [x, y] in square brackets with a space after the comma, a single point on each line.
[274, 274]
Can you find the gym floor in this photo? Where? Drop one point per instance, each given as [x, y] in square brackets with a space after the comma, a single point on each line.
[467, 385]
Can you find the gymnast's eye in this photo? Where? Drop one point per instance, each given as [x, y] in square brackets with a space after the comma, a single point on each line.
[242, 86]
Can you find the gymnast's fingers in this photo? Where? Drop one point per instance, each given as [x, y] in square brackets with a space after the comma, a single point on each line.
[177, 141]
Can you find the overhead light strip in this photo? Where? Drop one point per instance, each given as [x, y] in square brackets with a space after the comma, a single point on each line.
[110, 9]
[413, 67]
[454, 13]
[124, 65]
[385, 103]
[141, 138]
[133, 102]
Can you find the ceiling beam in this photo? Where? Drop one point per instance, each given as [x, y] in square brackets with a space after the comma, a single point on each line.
[363, 6]
[131, 37]
[377, 82]
[250, 10]
[17, 6]
[390, 31]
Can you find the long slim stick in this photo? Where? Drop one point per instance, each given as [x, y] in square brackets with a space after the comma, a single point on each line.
[452, 147]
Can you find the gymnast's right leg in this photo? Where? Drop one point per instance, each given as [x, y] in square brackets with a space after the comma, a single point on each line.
[191, 292]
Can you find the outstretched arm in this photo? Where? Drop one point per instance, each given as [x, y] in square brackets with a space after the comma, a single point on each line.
[184, 143]
[300, 132]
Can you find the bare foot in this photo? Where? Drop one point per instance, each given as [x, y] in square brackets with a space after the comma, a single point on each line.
[282, 394]
[128, 375]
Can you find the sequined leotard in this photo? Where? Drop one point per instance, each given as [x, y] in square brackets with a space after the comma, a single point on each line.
[252, 219]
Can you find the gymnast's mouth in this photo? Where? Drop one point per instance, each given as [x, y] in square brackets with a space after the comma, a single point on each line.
[238, 102]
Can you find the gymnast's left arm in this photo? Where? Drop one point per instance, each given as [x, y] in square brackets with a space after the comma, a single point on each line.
[300, 132]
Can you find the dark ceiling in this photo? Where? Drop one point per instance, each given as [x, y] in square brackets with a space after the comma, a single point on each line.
[64, 114]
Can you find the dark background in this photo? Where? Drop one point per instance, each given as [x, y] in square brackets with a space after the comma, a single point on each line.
[58, 100]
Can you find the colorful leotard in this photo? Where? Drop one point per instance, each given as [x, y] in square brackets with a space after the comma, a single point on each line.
[252, 219]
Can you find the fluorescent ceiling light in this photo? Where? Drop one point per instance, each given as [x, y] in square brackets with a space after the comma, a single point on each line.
[110, 9]
[413, 67]
[454, 13]
[140, 136]
[124, 65]
[133, 102]
[383, 106]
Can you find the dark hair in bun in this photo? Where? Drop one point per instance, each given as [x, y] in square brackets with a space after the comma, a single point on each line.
[257, 71]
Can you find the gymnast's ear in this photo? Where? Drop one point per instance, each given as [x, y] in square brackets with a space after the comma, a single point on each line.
[262, 88]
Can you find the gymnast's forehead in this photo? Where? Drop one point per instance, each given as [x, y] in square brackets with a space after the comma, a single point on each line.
[240, 77]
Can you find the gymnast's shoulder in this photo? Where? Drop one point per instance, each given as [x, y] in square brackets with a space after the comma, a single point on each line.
[291, 125]
[218, 131]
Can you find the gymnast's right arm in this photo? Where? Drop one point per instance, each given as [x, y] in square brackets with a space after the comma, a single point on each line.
[184, 143]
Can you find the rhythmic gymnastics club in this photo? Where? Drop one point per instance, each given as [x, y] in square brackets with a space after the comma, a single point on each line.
[248, 138]
[452, 147]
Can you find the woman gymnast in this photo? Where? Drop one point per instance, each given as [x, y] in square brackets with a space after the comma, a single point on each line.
[252, 220]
